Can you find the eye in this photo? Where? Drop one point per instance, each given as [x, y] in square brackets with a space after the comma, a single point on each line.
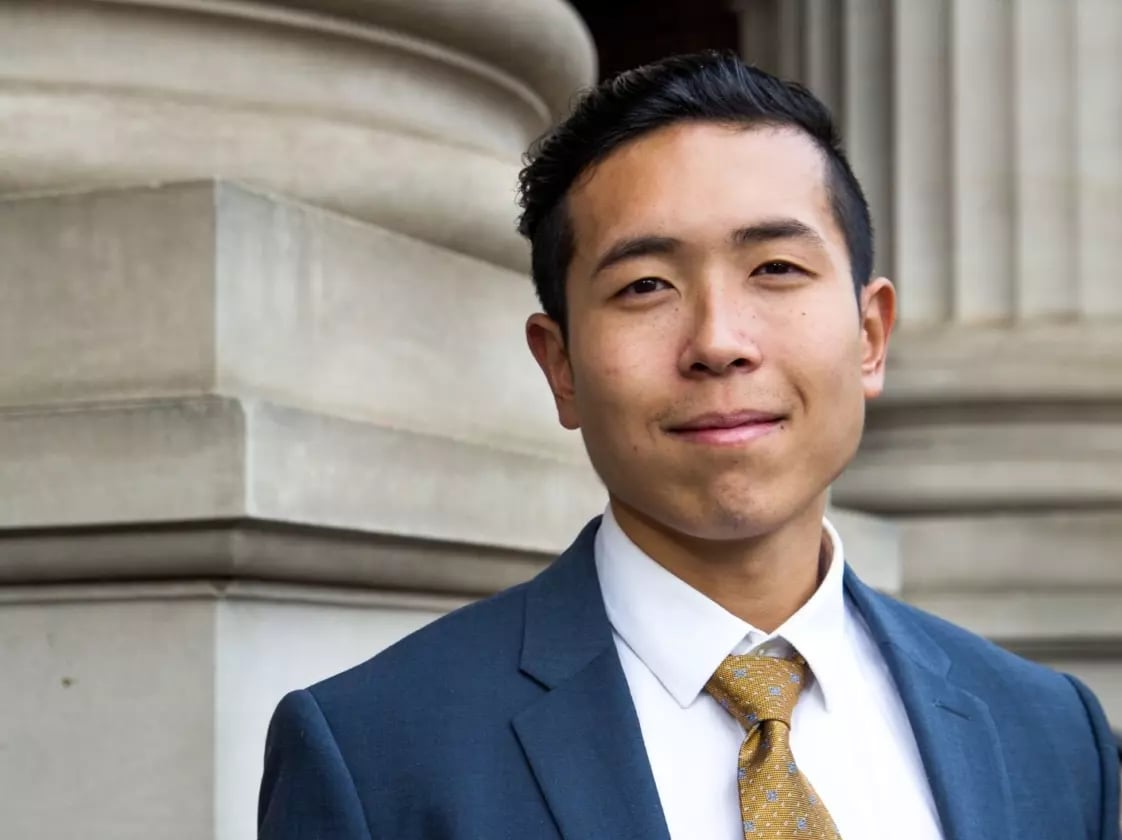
[778, 267]
[644, 286]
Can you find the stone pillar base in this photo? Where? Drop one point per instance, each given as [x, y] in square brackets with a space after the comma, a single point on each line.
[139, 710]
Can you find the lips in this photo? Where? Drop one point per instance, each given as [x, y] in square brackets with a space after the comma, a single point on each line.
[732, 429]
[726, 421]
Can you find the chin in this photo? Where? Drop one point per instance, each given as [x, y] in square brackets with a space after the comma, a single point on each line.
[710, 517]
[724, 524]
[744, 512]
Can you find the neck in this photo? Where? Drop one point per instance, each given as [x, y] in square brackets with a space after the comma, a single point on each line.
[762, 579]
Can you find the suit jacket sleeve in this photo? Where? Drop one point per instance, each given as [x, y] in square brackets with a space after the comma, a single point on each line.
[306, 791]
[1108, 763]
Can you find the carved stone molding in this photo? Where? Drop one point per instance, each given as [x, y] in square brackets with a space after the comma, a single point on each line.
[413, 115]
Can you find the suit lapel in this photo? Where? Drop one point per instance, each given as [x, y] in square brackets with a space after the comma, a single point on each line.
[953, 728]
[583, 743]
[582, 738]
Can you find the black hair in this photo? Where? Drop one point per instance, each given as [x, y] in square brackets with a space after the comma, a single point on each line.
[705, 87]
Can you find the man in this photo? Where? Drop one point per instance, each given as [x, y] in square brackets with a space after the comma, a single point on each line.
[700, 663]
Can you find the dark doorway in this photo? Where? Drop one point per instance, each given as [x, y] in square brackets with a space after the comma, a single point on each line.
[633, 32]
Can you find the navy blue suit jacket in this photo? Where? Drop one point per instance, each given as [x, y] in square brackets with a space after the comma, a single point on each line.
[511, 718]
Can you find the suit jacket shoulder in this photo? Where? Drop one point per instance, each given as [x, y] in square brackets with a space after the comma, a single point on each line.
[454, 650]
[1051, 731]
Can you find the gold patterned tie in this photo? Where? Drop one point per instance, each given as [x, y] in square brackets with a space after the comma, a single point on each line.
[777, 801]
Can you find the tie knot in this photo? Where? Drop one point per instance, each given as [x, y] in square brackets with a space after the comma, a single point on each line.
[758, 688]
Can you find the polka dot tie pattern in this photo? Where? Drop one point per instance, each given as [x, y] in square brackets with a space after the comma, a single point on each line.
[777, 802]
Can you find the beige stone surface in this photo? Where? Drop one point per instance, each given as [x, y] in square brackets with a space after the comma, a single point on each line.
[989, 140]
[411, 115]
[931, 460]
[919, 161]
[219, 458]
[1097, 29]
[323, 313]
[133, 462]
[1033, 551]
[220, 354]
[107, 295]
[1073, 363]
[261, 550]
[139, 711]
[262, 57]
[997, 418]
[107, 718]
[310, 468]
[204, 288]
[1075, 620]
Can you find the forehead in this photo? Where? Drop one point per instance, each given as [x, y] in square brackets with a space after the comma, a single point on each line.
[692, 180]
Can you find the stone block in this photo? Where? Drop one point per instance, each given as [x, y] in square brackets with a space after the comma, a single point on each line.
[1039, 551]
[210, 288]
[107, 717]
[139, 711]
[107, 295]
[135, 462]
[205, 459]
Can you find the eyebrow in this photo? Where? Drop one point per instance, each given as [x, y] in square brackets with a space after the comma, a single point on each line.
[636, 246]
[754, 234]
[772, 229]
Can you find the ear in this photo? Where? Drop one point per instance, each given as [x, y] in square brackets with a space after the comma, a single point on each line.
[878, 316]
[547, 344]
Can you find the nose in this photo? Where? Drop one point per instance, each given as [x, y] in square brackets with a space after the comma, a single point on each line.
[720, 337]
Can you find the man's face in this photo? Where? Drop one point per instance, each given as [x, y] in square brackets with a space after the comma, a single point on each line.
[718, 360]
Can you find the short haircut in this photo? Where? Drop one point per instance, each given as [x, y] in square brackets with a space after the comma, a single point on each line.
[701, 87]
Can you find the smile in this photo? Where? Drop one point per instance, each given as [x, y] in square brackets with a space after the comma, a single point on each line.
[728, 429]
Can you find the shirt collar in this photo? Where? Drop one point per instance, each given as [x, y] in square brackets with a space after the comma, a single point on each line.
[682, 636]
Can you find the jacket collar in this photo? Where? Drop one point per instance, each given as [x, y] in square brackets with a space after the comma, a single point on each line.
[584, 745]
[953, 728]
[582, 738]
[566, 624]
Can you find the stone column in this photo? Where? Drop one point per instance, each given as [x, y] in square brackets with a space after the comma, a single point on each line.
[990, 138]
[254, 429]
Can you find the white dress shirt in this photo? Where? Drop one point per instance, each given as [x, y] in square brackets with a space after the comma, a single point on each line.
[849, 731]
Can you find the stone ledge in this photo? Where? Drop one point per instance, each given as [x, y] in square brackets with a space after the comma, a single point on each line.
[1035, 623]
[1028, 364]
[1041, 552]
[212, 458]
[925, 462]
[1019, 417]
[985, 419]
[371, 566]
[188, 289]
[262, 559]
[217, 589]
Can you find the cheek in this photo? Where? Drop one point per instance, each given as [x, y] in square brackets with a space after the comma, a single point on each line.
[619, 368]
[825, 349]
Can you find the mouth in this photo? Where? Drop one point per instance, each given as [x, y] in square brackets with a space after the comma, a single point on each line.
[727, 429]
